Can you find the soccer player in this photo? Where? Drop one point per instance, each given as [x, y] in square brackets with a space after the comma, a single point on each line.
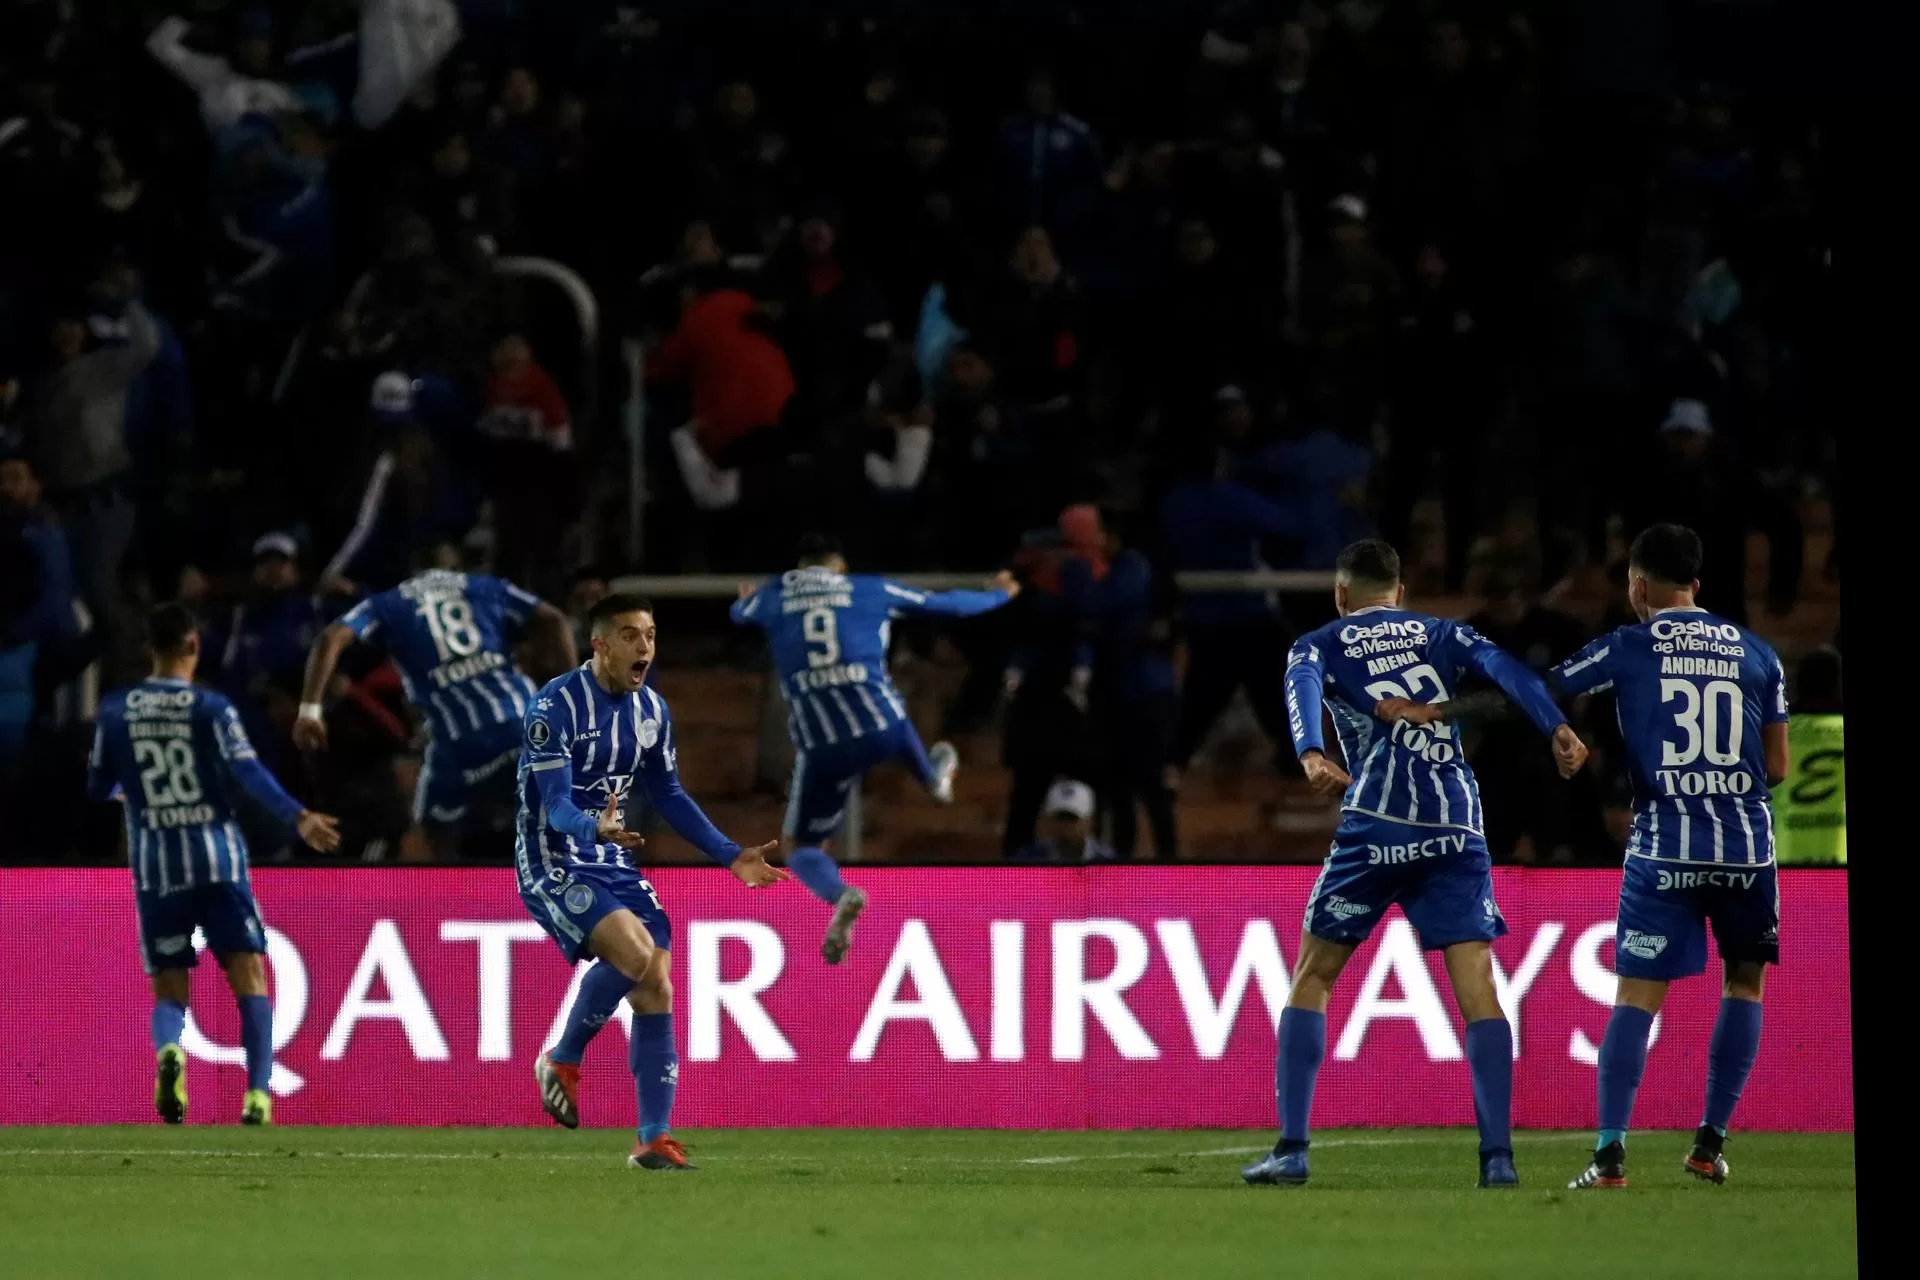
[829, 632]
[448, 635]
[1410, 833]
[591, 735]
[178, 758]
[1703, 716]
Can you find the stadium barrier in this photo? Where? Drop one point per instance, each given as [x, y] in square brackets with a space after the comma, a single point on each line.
[1039, 998]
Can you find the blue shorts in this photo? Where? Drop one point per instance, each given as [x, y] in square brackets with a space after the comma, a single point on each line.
[224, 911]
[1665, 909]
[1442, 877]
[569, 901]
[475, 772]
[824, 777]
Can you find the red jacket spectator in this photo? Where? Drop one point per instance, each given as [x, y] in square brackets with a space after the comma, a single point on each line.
[523, 401]
[740, 377]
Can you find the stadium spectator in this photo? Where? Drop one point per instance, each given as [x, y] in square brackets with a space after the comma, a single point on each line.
[1135, 700]
[1066, 837]
[833, 322]
[1211, 523]
[1049, 673]
[258, 649]
[1695, 472]
[76, 423]
[531, 468]
[1048, 166]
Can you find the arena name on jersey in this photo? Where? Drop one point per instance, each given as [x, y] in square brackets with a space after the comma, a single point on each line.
[466, 668]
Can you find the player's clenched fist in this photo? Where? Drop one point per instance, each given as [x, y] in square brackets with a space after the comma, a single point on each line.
[1324, 776]
[1569, 753]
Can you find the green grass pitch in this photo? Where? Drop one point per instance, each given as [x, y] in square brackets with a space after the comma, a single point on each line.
[370, 1203]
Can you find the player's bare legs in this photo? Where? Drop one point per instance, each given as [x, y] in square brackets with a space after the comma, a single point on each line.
[1489, 1056]
[656, 1067]
[1303, 1046]
[1623, 1061]
[170, 991]
[1730, 1055]
[625, 954]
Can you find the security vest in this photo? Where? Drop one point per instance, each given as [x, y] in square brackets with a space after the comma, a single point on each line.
[1811, 806]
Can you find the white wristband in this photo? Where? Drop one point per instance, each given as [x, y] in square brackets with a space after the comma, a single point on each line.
[312, 711]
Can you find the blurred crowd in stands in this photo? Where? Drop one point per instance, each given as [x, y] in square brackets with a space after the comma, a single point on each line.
[1150, 287]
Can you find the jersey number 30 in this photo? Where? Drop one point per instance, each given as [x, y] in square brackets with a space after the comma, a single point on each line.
[1705, 715]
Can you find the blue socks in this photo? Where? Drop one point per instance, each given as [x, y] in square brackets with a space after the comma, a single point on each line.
[656, 1071]
[819, 872]
[169, 1020]
[1490, 1055]
[1623, 1060]
[256, 1037]
[600, 994]
[1736, 1043]
[1303, 1046]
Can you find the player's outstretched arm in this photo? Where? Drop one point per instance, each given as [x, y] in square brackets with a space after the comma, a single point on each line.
[1486, 704]
[310, 730]
[318, 830]
[1517, 680]
[660, 775]
[952, 604]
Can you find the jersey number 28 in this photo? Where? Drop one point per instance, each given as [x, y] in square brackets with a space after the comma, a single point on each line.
[167, 772]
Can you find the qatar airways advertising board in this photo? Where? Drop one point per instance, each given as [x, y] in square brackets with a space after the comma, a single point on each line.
[1044, 998]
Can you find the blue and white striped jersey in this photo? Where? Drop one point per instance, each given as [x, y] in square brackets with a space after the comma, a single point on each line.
[829, 633]
[1692, 692]
[1405, 773]
[179, 760]
[448, 635]
[585, 748]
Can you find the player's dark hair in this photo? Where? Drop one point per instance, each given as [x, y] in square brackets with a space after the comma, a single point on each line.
[1669, 553]
[614, 605]
[1371, 561]
[818, 548]
[168, 628]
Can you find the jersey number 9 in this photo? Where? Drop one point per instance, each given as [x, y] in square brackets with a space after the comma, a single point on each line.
[822, 631]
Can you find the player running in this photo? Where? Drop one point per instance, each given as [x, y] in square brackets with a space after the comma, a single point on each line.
[1703, 715]
[829, 632]
[448, 633]
[591, 735]
[178, 759]
[1410, 832]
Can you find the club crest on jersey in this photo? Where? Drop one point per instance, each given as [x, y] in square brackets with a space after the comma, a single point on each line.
[538, 735]
[1646, 946]
[579, 898]
[649, 734]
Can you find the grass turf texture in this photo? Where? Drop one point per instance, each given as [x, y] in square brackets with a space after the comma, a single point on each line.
[216, 1202]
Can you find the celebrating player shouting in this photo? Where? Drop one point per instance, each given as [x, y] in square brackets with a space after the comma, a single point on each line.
[591, 734]
[1410, 832]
